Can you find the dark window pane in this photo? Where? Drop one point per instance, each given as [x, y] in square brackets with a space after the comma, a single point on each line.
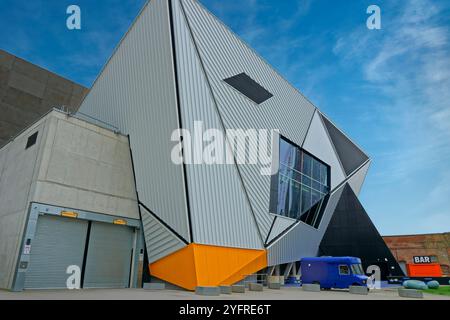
[324, 175]
[294, 200]
[301, 185]
[283, 199]
[306, 198]
[316, 170]
[31, 140]
[315, 197]
[325, 189]
[306, 181]
[307, 165]
[298, 160]
[287, 154]
[316, 186]
[344, 270]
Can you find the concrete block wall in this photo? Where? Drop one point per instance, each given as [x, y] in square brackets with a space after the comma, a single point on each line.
[74, 164]
[17, 171]
[27, 92]
[86, 167]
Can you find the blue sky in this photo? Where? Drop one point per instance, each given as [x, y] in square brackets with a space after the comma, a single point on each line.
[388, 89]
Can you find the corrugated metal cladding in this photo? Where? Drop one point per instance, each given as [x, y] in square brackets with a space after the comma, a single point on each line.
[306, 238]
[136, 92]
[350, 155]
[220, 212]
[59, 243]
[318, 143]
[159, 240]
[109, 258]
[357, 180]
[280, 225]
[224, 55]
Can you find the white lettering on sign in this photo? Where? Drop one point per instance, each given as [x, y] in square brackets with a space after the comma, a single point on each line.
[27, 249]
[421, 259]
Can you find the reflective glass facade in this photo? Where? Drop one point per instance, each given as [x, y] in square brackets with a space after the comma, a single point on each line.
[302, 185]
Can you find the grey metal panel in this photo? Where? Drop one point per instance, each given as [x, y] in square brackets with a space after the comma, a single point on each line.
[351, 156]
[221, 214]
[280, 225]
[108, 262]
[224, 55]
[58, 244]
[136, 93]
[159, 240]
[357, 180]
[318, 143]
[302, 240]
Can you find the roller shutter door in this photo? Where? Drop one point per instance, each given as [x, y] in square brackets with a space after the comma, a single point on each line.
[58, 243]
[109, 256]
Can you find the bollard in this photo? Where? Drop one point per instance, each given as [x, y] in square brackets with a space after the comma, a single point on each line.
[410, 293]
[238, 289]
[207, 291]
[311, 287]
[255, 287]
[225, 289]
[359, 290]
[154, 286]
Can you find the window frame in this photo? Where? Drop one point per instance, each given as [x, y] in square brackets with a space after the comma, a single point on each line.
[348, 269]
[289, 172]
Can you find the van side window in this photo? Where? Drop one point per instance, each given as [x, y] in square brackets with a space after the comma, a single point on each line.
[344, 270]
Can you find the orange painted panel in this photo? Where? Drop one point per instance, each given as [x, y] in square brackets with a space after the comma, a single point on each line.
[215, 265]
[205, 265]
[424, 270]
[177, 268]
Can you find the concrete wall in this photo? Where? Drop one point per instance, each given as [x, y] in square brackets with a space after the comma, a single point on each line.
[18, 167]
[27, 92]
[87, 168]
[73, 164]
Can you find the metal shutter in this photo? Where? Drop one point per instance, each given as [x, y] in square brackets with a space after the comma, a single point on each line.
[58, 243]
[108, 261]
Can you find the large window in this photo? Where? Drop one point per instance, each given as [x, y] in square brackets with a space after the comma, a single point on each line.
[301, 188]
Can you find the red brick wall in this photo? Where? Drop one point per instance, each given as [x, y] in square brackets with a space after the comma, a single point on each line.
[404, 248]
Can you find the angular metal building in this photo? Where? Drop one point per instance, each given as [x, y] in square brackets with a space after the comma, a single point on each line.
[177, 71]
[216, 224]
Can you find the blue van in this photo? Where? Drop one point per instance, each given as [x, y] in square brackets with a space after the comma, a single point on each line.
[333, 272]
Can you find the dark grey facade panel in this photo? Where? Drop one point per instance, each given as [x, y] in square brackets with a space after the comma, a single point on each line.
[249, 87]
[352, 233]
[350, 155]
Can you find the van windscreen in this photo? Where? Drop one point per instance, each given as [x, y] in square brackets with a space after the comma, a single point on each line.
[357, 269]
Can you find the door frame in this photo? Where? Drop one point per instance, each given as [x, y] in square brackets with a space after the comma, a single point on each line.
[39, 209]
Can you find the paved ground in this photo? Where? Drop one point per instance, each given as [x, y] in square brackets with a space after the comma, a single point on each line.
[140, 294]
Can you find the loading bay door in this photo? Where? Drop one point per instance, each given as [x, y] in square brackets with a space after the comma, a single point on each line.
[102, 251]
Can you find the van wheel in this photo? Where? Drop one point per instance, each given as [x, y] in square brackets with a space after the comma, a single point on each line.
[356, 285]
